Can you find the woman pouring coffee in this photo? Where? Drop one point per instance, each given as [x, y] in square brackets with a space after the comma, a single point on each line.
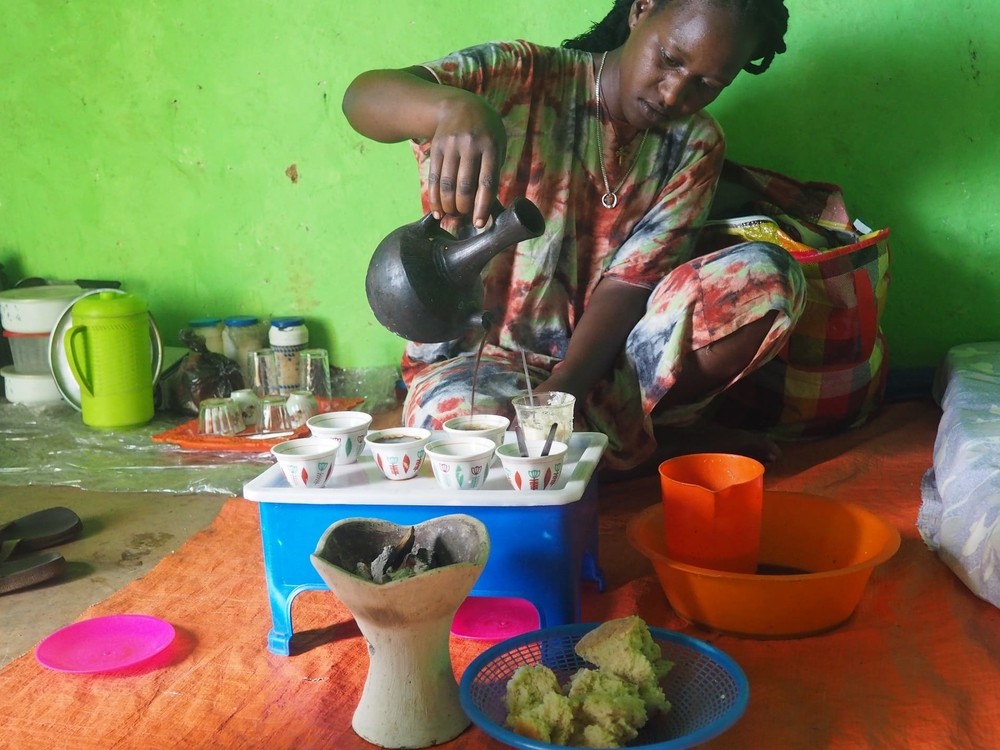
[607, 136]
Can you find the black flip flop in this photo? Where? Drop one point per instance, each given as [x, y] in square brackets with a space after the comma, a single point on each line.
[43, 528]
[30, 570]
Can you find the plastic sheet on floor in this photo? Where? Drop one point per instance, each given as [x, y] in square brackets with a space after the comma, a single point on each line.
[50, 445]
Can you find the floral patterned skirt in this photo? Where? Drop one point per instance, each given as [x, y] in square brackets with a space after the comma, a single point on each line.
[695, 305]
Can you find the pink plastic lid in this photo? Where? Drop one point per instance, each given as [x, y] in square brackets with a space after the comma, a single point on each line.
[494, 618]
[105, 644]
[17, 335]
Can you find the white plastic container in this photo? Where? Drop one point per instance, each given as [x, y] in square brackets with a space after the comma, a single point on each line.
[30, 352]
[35, 309]
[29, 388]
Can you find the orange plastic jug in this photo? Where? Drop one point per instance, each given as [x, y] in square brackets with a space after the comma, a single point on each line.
[712, 510]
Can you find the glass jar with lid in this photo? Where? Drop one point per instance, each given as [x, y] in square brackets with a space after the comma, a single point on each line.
[242, 334]
[288, 336]
[210, 330]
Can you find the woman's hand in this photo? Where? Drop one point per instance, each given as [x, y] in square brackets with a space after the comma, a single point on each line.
[468, 139]
[599, 337]
[468, 147]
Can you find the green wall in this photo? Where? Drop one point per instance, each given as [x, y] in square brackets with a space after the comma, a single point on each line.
[196, 150]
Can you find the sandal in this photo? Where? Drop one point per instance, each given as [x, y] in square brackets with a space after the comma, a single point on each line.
[35, 531]
[30, 570]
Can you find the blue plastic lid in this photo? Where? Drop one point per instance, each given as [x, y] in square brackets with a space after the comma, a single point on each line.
[287, 322]
[204, 322]
[242, 321]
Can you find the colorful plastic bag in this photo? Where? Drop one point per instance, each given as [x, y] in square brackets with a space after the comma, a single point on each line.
[831, 374]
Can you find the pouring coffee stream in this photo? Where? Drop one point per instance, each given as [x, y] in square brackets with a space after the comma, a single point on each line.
[424, 284]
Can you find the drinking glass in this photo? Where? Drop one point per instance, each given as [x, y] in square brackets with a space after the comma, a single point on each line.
[274, 414]
[537, 412]
[301, 405]
[262, 372]
[219, 416]
[249, 404]
[314, 372]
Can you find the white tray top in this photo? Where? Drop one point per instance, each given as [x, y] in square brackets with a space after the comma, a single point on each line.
[362, 483]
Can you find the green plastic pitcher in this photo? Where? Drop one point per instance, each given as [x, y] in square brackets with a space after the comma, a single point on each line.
[108, 351]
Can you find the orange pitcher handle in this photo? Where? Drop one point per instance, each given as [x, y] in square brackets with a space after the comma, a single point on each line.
[70, 340]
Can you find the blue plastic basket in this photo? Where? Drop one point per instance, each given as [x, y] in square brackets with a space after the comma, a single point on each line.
[707, 690]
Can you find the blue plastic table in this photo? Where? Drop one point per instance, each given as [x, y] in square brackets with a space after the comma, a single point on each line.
[542, 544]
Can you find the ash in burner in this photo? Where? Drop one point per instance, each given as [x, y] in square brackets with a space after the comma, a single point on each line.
[404, 559]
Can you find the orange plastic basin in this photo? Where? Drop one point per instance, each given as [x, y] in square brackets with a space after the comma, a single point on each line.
[838, 543]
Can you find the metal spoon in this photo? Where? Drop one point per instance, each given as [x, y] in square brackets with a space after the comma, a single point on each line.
[522, 447]
[548, 439]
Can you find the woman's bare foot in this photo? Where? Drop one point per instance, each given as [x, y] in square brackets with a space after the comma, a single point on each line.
[708, 437]
[703, 437]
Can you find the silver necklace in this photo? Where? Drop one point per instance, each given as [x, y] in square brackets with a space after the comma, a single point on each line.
[610, 197]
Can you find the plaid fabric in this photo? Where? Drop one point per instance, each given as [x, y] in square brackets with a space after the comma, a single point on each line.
[831, 373]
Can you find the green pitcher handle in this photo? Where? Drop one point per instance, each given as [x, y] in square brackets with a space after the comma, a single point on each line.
[69, 342]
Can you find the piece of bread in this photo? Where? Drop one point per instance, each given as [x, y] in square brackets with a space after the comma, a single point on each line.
[536, 706]
[597, 708]
[625, 647]
[609, 710]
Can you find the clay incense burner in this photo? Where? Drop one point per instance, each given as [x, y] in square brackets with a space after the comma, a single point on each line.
[410, 697]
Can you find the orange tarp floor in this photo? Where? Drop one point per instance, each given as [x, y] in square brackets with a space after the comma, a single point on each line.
[916, 666]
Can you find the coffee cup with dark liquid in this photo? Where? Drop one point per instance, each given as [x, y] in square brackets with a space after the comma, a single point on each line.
[398, 451]
[492, 426]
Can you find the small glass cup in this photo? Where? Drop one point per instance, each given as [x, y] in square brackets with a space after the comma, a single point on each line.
[537, 412]
[314, 372]
[219, 416]
[249, 405]
[274, 415]
[262, 372]
[301, 405]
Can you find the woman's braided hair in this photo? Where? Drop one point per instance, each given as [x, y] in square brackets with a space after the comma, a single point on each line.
[769, 16]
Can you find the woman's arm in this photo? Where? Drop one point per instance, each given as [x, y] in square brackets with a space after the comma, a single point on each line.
[468, 139]
[613, 311]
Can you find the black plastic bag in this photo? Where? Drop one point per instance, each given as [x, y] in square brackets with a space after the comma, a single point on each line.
[198, 375]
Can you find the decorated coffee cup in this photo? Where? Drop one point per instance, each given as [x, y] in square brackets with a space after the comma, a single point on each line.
[461, 462]
[307, 462]
[492, 426]
[398, 451]
[350, 426]
[534, 471]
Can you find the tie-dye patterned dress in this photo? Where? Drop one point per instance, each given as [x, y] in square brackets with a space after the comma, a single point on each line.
[538, 290]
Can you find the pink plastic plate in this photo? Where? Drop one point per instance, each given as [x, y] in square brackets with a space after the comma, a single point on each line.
[494, 618]
[105, 644]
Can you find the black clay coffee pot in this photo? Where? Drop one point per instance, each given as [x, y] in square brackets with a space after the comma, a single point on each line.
[425, 284]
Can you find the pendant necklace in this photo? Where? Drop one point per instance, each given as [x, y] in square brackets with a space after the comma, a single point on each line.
[610, 197]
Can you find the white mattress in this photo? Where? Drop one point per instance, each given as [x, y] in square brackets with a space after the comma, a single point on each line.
[960, 511]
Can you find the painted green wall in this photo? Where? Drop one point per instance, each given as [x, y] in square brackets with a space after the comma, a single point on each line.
[196, 150]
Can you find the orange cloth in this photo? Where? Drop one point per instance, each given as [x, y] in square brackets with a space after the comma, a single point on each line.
[917, 666]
